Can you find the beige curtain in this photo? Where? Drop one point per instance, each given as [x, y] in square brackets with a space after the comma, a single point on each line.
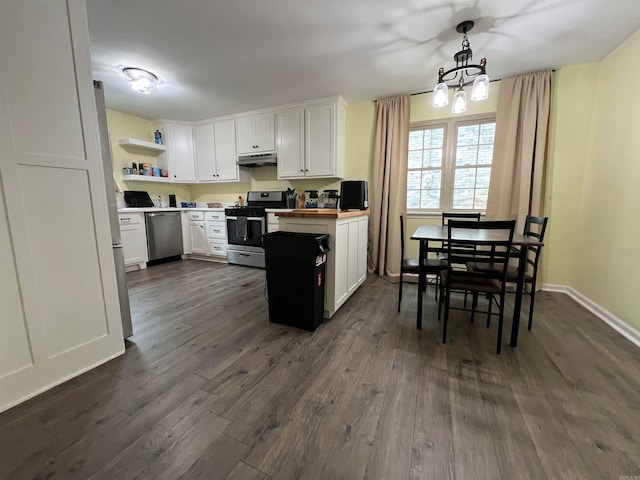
[389, 183]
[520, 147]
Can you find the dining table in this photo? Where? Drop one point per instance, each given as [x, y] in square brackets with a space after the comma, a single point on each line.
[439, 233]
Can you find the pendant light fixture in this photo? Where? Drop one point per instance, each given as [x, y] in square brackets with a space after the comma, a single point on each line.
[141, 81]
[462, 75]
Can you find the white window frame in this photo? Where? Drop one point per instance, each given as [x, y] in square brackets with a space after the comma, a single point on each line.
[448, 160]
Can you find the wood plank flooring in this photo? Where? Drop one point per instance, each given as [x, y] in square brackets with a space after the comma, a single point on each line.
[210, 389]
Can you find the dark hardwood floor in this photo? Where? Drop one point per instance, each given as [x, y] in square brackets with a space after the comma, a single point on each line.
[210, 389]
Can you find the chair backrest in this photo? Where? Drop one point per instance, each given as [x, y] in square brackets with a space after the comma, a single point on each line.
[446, 216]
[535, 227]
[401, 238]
[459, 216]
[491, 242]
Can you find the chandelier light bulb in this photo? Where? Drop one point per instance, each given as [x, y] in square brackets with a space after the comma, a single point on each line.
[480, 90]
[440, 95]
[459, 104]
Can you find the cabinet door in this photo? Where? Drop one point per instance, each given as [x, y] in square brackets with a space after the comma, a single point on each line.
[255, 134]
[320, 141]
[363, 242]
[134, 244]
[245, 135]
[198, 238]
[180, 150]
[291, 144]
[341, 252]
[264, 133]
[225, 151]
[352, 261]
[205, 153]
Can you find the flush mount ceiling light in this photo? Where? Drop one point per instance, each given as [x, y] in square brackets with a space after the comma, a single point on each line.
[141, 81]
[461, 76]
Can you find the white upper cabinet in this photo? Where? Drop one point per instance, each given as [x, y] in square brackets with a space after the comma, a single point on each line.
[290, 143]
[255, 134]
[180, 155]
[310, 141]
[215, 144]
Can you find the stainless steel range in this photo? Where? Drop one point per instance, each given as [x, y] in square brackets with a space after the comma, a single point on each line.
[247, 224]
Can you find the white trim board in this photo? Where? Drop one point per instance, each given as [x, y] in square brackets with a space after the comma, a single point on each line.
[603, 314]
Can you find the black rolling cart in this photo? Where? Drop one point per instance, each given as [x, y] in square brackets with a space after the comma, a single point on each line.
[296, 267]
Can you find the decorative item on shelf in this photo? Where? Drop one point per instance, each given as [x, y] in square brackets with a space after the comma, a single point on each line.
[134, 169]
[456, 75]
[158, 137]
[164, 173]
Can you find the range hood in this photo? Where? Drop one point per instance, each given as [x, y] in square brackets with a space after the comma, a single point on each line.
[257, 160]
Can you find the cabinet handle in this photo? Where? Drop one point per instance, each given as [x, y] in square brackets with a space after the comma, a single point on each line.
[306, 169]
[301, 170]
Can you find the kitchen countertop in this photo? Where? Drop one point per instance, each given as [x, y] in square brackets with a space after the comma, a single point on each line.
[168, 209]
[324, 213]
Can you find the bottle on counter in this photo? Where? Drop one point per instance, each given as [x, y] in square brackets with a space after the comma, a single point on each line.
[240, 201]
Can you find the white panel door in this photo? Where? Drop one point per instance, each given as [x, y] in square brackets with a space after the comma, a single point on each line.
[198, 238]
[363, 244]
[352, 260]
[205, 153]
[320, 141]
[225, 147]
[341, 262]
[54, 188]
[181, 154]
[290, 144]
[264, 133]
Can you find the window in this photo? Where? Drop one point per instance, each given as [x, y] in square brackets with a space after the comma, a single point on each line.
[449, 165]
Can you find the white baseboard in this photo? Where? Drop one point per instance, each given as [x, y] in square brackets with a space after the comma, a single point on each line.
[624, 329]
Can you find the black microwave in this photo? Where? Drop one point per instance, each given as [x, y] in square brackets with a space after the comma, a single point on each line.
[354, 195]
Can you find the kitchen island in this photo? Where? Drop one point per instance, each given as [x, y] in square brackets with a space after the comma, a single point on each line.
[348, 240]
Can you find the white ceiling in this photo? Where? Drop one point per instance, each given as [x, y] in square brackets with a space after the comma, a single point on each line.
[217, 57]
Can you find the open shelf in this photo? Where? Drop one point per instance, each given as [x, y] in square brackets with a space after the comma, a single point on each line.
[145, 178]
[134, 142]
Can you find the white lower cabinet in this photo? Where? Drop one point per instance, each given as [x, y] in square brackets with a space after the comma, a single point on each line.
[133, 234]
[347, 259]
[216, 228]
[273, 222]
[198, 238]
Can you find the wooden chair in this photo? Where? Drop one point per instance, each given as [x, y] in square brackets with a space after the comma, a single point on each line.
[493, 241]
[411, 265]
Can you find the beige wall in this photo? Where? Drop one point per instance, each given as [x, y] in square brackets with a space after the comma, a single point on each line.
[607, 251]
[122, 125]
[569, 131]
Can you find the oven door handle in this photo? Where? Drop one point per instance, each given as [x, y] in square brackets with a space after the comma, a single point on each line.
[232, 218]
[260, 219]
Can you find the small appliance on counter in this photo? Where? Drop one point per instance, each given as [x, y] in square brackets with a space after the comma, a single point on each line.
[330, 198]
[354, 195]
[311, 199]
[172, 200]
[135, 199]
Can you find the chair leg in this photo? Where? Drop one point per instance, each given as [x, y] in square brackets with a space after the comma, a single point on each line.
[437, 285]
[440, 301]
[446, 295]
[474, 305]
[532, 300]
[400, 292]
[490, 297]
[500, 320]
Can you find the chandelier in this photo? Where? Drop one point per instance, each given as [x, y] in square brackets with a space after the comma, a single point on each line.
[462, 75]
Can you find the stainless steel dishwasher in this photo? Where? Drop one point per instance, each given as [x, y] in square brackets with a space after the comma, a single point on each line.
[164, 234]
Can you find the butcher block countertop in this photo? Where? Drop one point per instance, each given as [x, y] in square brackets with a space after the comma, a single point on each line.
[323, 213]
